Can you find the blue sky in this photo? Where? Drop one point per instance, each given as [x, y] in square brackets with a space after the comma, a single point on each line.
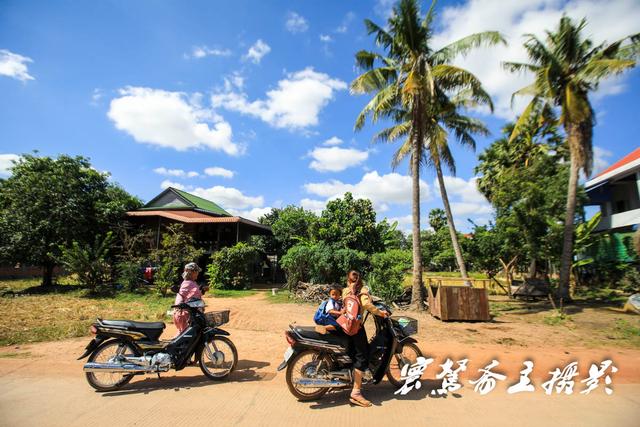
[247, 102]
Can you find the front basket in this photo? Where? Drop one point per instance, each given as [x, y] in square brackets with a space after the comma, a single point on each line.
[217, 318]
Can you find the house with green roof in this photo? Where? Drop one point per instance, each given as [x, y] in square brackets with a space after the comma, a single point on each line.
[210, 225]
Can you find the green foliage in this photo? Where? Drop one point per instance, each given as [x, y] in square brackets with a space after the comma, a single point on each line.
[584, 240]
[176, 250]
[232, 267]
[48, 203]
[437, 219]
[128, 273]
[525, 179]
[350, 223]
[387, 273]
[321, 263]
[88, 262]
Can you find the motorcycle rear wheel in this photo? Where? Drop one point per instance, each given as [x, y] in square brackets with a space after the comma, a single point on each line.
[408, 353]
[108, 381]
[296, 368]
[209, 367]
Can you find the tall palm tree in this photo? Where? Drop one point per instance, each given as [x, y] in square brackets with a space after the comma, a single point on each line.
[566, 68]
[416, 87]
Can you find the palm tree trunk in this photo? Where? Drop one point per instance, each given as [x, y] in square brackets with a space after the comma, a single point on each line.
[566, 259]
[417, 294]
[452, 227]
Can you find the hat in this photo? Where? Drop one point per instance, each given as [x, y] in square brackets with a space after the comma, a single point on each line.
[192, 266]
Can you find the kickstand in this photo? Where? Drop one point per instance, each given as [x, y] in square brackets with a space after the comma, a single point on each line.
[158, 373]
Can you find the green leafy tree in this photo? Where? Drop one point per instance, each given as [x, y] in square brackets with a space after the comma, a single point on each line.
[292, 225]
[350, 223]
[48, 203]
[387, 273]
[437, 219]
[322, 262]
[417, 87]
[177, 249]
[233, 267]
[566, 67]
[90, 262]
[525, 180]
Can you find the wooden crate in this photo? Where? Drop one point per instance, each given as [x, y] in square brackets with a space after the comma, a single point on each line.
[458, 303]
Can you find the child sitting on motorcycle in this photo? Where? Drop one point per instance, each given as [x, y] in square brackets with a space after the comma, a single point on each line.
[329, 310]
[189, 289]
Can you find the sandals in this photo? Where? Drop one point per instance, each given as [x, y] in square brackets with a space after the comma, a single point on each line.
[360, 401]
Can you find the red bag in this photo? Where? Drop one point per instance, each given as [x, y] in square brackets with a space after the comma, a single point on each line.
[350, 320]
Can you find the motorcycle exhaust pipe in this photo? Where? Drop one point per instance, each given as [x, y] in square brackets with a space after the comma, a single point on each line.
[320, 383]
[116, 368]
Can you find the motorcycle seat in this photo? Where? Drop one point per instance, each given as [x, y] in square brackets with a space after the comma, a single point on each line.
[309, 332]
[134, 325]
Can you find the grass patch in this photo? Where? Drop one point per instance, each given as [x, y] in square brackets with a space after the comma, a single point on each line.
[556, 319]
[497, 308]
[626, 330]
[230, 293]
[281, 297]
[16, 355]
[50, 317]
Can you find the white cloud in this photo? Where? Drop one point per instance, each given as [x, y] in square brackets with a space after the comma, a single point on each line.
[334, 140]
[218, 171]
[203, 51]
[96, 96]
[336, 159]
[316, 206]
[252, 214]
[166, 184]
[229, 198]
[296, 23]
[294, 104]
[170, 119]
[6, 162]
[384, 9]
[14, 65]
[465, 199]
[601, 159]
[257, 51]
[382, 190]
[344, 26]
[326, 38]
[606, 21]
[176, 172]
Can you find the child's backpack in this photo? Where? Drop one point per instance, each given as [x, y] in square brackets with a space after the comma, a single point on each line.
[350, 320]
[321, 318]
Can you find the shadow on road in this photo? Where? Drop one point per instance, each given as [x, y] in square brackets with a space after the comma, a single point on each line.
[244, 372]
[381, 393]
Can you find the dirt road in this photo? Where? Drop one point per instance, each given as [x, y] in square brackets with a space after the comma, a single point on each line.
[43, 384]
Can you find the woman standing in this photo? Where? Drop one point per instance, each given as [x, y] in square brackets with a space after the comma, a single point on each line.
[360, 343]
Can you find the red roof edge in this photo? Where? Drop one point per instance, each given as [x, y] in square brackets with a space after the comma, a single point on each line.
[634, 155]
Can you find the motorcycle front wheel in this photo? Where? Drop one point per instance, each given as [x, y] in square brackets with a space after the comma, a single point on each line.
[109, 352]
[218, 358]
[306, 365]
[407, 354]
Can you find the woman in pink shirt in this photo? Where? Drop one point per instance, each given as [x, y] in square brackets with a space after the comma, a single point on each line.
[188, 289]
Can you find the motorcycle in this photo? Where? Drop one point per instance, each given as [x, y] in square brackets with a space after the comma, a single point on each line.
[122, 349]
[317, 363]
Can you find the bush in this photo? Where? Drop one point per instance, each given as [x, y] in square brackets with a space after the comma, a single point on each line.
[88, 262]
[321, 263]
[232, 268]
[387, 273]
[297, 263]
[630, 282]
[128, 274]
[177, 249]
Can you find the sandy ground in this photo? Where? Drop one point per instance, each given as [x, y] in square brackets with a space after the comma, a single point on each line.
[43, 384]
